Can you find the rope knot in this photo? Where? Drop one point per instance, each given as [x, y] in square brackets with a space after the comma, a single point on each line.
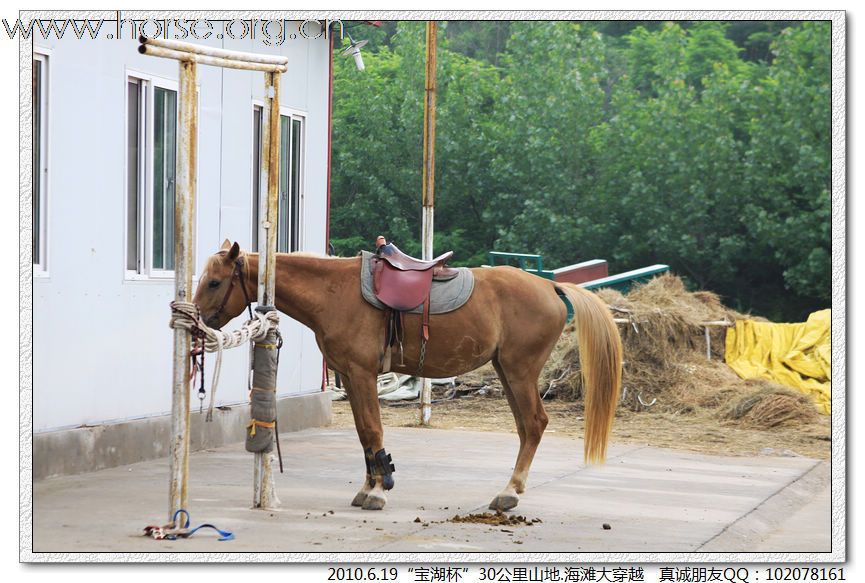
[187, 316]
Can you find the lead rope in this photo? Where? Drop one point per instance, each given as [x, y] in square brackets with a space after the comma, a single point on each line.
[276, 409]
[196, 357]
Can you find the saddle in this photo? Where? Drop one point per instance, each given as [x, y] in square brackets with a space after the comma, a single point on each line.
[402, 283]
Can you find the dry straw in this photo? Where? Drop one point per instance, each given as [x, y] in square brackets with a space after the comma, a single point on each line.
[666, 369]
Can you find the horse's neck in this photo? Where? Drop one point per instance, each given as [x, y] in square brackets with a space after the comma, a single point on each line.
[300, 281]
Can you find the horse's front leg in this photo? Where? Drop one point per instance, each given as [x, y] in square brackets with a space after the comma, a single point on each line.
[363, 396]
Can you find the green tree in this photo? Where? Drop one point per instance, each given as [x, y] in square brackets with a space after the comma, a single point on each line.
[788, 163]
[704, 145]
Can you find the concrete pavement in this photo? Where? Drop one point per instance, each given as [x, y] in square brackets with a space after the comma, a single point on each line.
[654, 500]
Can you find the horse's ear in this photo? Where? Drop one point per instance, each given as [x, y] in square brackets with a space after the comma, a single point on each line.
[225, 245]
[234, 252]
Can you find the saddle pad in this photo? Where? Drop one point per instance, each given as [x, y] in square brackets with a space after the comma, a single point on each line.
[446, 296]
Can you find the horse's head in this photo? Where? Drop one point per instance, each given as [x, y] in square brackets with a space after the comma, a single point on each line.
[220, 295]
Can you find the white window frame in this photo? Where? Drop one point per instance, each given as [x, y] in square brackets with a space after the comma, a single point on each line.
[255, 159]
[301, 165]
[146, 272]
[40, 267]
[292, 114]
[143, 142]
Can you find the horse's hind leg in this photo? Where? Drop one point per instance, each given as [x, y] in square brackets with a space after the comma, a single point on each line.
[520, 384]
[363, 396]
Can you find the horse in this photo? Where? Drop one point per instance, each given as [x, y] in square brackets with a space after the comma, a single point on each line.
[513, 318]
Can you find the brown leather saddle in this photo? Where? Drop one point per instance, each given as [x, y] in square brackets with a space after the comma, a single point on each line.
[403, 283]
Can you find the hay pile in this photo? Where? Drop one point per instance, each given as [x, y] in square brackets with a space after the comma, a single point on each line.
[665, 365]
[769, 406]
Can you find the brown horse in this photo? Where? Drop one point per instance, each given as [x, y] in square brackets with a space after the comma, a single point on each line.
[513, 319]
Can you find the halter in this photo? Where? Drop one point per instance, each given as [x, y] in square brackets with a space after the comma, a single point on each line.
[238, 273]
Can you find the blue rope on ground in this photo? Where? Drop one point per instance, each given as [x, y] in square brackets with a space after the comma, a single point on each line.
[224, 534]
[174, 530]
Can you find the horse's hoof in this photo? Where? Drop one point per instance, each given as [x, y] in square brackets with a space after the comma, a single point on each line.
[374, 502]
[359, 498]
[504, 502]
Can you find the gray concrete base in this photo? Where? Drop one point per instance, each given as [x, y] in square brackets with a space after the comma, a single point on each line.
[86, 449]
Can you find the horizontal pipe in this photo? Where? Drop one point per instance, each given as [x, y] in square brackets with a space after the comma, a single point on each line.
[719, 323]
[154, 51]
[176, 45]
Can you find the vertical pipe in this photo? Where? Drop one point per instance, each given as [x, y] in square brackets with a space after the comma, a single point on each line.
[330, 42]
[267, 263]
[264, 225]
[264, 494]
[429, 131]
[429, 136]
[184, 212]
[329, 141]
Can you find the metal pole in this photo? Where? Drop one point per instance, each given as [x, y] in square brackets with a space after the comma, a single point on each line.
[155, 51]
[188, 54]
[429, 136]
[185, 47]
[183, 267]
[264, 494]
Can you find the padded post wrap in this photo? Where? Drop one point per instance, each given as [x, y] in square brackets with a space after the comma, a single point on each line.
[262, 408]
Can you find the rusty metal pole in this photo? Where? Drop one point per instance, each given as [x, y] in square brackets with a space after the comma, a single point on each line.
[264, 493]
[184, 265]
[270, 178]
[429, 166]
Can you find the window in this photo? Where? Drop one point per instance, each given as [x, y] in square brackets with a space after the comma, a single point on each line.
[291, 141]
[164, 175]
[40, 159]
[151, 167]
[135, 164]
[288, 233]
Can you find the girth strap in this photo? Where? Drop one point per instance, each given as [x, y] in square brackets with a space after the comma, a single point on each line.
[426, 319]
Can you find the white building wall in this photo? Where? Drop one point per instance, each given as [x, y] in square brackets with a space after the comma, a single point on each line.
[101, 343]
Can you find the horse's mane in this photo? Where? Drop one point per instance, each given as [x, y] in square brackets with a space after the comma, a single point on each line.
[219, 256]
[312, 254]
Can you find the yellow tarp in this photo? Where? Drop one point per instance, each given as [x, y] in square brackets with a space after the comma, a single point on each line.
[796, 355]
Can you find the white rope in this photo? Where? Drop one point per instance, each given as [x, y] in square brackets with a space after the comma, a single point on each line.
[217, 367]
[185, 316]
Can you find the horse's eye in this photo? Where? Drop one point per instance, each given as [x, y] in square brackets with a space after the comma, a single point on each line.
[213, 284]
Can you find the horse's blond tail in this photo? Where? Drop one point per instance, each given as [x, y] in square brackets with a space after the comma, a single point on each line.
[601, 364]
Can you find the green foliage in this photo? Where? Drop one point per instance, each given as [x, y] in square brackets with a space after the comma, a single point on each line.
[704, 145]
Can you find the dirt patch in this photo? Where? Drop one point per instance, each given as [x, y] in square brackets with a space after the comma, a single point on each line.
[700, 433]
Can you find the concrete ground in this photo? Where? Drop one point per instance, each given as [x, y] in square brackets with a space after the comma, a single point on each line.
[654, 500]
